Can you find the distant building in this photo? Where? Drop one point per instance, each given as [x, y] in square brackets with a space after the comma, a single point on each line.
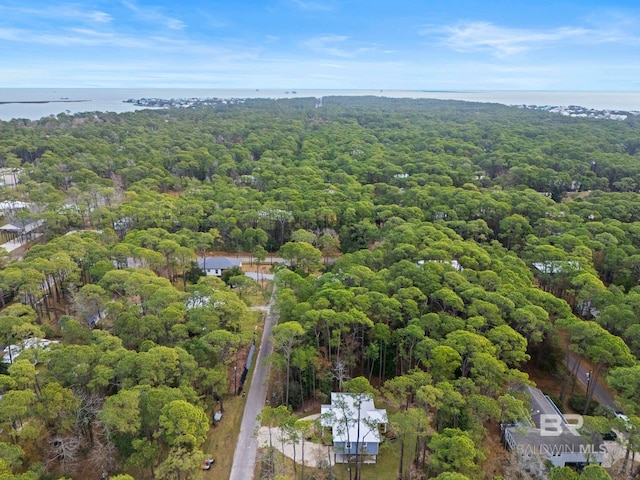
[557, 266]
[9, 176]
[13, 351]
[350, 437]
[454, 263]
[94, 319]
[548, 438]
[8, 206]
[216, 265]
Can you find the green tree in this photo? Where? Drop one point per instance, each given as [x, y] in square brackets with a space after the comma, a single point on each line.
[454, 451]
[300, 255]
[184, 426]
[563, 473]
[180, 462]
[121, 413]
[594, 472]
[286, 337]
[411, 425]
[360, 391]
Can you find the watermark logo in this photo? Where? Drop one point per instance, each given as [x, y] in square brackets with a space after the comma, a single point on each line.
[552, 425]
[556, 450]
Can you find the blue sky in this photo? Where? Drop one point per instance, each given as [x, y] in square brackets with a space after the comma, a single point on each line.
[395, 44]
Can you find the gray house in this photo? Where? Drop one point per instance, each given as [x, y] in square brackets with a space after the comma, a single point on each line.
[350, 437]
[547, 437]
[216, 265]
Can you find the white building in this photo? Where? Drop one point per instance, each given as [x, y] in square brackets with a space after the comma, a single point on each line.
[216, 265]
[350, 436]
[13, 351]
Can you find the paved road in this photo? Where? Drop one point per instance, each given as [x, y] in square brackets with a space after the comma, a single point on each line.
[269, 259]
[600, 393]
[244, 457]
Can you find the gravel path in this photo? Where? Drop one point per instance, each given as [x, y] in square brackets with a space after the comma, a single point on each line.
[314, 453]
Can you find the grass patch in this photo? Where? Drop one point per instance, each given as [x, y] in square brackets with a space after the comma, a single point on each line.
[223, 437]
[386, 467]
[255, 296]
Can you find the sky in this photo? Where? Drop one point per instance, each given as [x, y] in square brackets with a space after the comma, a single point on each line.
[322, 44]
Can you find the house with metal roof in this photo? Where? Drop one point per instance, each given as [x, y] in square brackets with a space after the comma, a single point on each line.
[355, 426]
[546, 437]
[216, 265]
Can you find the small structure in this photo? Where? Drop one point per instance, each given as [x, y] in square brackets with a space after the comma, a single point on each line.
[11, 207]
[216, 265]
[454, 263]
[20, 233]
[552, 267]
[122, 226]
[9, 176]
[354, 423]
[94, 319]
[13, 351]
[548, 438]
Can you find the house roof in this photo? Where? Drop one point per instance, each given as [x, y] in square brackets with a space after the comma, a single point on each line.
[11, 228]
[342, 417]
[33, 342]
[526, 434]
[9, 205]
[557, 266]
[541, 404]
[219, 263]
[567, 441]
[454, 263]
[24, 225]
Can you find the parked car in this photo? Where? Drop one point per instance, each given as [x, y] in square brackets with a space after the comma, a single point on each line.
[207, 463]
[610, 436]
[625, 419]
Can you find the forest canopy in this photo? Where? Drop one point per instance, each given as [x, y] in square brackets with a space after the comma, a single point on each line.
[433, 248]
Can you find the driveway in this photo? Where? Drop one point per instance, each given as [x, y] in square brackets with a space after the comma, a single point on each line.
[260, 276]
[244, 457]
[315, 454]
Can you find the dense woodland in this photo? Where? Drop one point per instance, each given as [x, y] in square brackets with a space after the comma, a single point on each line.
[410, 229]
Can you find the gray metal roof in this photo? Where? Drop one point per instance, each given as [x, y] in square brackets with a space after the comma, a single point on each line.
[219, 263]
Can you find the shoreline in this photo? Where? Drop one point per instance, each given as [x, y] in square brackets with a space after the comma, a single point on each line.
[43, 101]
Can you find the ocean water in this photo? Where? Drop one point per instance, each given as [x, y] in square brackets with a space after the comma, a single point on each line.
[76, 100]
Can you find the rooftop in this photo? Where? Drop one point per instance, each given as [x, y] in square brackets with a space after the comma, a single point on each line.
[342, 416]
[219, 263]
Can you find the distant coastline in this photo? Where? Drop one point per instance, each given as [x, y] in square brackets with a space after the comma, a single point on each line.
[43, 101]
[36, 103]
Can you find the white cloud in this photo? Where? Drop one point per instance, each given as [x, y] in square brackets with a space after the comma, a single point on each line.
[59, 12]
[338, 46]
[86, 38]
[314, 6]
[502, 41]
[175, 24]
[153, 15]
[329, 45]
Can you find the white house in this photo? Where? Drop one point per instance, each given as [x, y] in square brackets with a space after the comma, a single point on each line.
[454, 263]
[350, 436]
[216, 265]
[557, 266]
[13, 351]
